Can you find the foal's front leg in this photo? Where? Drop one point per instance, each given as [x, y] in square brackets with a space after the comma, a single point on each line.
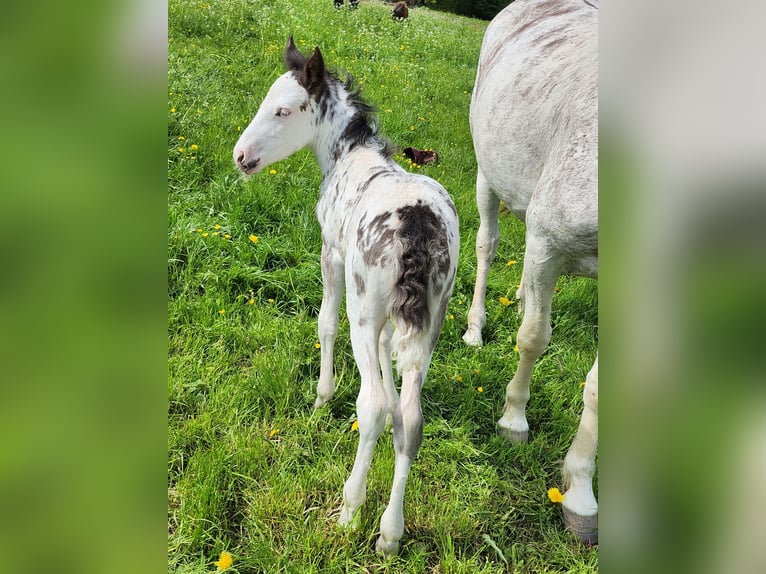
[332, 294]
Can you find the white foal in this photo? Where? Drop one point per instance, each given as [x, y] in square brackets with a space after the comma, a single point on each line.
[534, 121]
[389, 238]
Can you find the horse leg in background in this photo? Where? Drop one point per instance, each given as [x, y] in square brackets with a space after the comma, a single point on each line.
[371, 407]
[332, 294]
[408, 434]
[540, 275]
[579, 505]
[487, 240]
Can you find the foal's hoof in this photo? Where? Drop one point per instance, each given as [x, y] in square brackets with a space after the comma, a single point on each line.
[585, 527]
[388, 549]
[349, 520]
[472, 336]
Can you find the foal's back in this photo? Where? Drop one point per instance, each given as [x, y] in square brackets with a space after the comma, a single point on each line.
[534, 112]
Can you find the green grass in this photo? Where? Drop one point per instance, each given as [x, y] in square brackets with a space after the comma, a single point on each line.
[252, 469]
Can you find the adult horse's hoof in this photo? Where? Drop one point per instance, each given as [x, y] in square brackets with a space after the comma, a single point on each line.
[472, 336]
[513, 436]
[585, 527]
[388, 549]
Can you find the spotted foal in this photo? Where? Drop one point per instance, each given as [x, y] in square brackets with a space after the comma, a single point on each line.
[389, 238]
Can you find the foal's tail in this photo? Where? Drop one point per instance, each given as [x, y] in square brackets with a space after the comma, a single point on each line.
[424, 285]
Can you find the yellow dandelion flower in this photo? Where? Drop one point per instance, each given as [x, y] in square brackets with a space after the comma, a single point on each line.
[273, 171]
[388, 111]
[239, 129]
[216, 226]
[271, 300]
[182, 138]
[224, 561]
[182, 149]
[451, 317]
[216, 233]
[222, 311]
[227, 236]
[273, 432]
[555, 496]
[194, 146]
[205, 234]
[511, 262]
[355, 426]
[253, 238]
[516, 348]
[412, 128]
[172, 110]
[317, 346]
[459, 378]
[199, 230]
[504, 301]
[251, 301]
[480, 389]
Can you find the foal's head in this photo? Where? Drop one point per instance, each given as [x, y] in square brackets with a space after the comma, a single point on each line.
[283, 123]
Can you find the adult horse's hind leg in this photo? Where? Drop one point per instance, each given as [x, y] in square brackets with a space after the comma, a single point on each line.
[487, 240]
[540, 274]
[580, 506]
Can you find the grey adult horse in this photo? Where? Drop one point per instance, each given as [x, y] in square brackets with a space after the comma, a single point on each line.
[534, 121]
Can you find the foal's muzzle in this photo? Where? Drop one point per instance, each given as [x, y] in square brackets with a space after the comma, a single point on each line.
[245, 164]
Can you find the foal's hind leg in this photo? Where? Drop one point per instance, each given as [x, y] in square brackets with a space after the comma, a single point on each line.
[371, 408]
[540, 274]
[487, 240]
[580, 506]
[408, 434]
[332, 294]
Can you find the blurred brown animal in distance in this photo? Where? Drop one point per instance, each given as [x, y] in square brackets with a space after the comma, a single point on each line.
[400, 11]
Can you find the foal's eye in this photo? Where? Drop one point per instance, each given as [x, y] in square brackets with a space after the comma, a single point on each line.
[283, 112]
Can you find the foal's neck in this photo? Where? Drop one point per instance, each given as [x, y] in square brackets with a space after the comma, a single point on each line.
[344, 134]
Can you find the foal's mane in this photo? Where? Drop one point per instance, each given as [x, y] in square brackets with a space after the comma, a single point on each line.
[363, 127]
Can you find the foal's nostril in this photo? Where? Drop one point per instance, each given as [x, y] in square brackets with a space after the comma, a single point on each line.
[240, 158]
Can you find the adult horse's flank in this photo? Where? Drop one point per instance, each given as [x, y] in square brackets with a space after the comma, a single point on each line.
[534, 120]
[388, 236]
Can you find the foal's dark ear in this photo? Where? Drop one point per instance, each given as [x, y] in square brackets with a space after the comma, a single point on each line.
[294, 60]
[313, 77]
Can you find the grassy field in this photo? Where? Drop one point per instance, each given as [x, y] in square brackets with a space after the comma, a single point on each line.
[252, 469]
